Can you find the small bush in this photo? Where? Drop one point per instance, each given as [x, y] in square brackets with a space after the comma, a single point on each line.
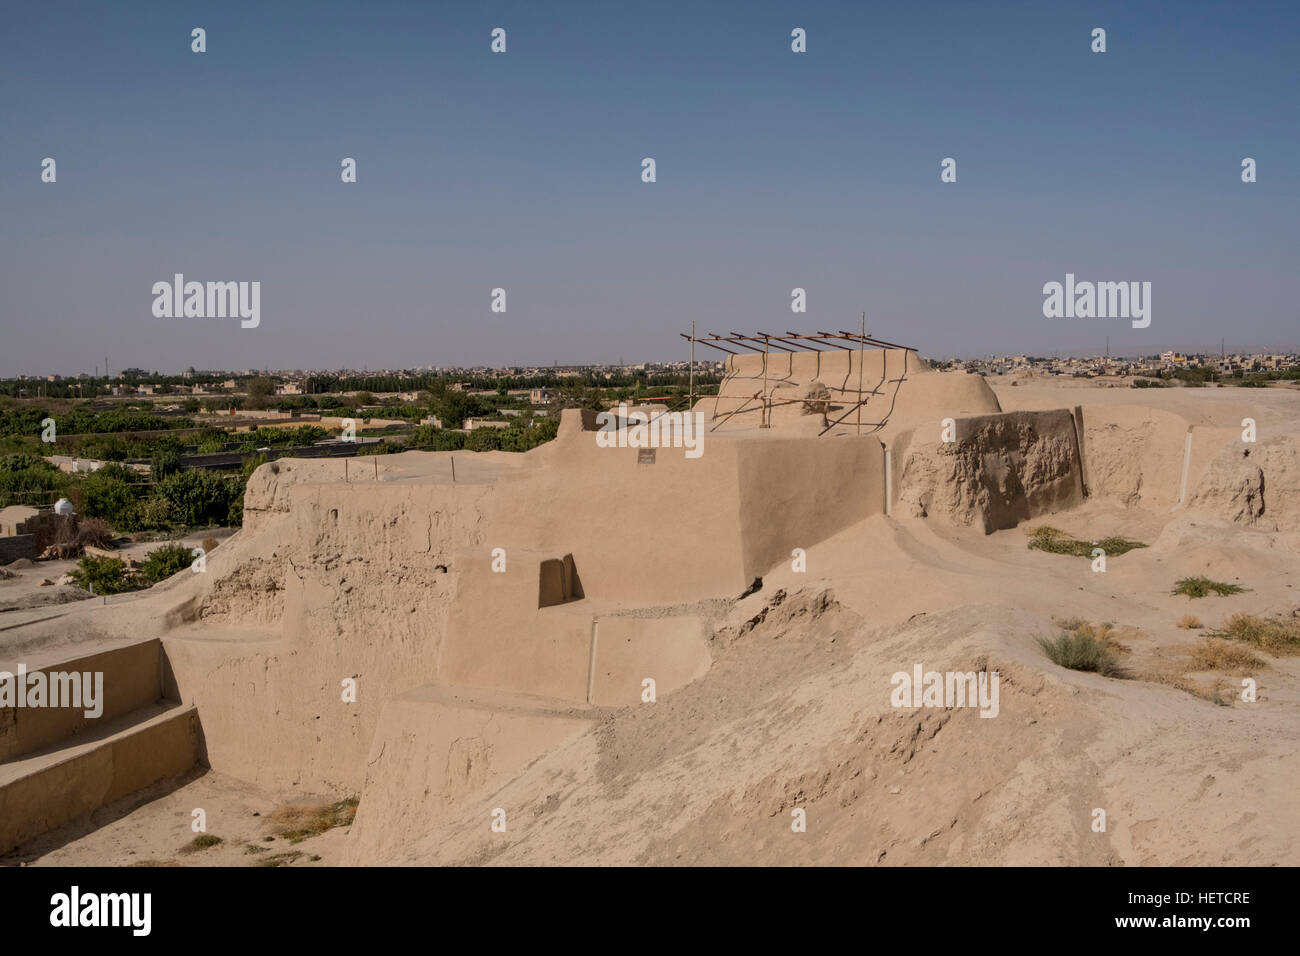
[163, 562]
[1189, 622]
[203, 841]
[1200, 587]
[209, 545]
[155, 514]
[1214, 654]
[1055, 541]
[1081, 651]
[103, 575]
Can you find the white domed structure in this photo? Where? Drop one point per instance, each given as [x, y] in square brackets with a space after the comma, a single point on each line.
[63, 507]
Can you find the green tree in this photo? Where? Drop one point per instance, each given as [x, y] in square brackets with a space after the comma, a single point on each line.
[196, 497]
[109, 494]
[259, 391]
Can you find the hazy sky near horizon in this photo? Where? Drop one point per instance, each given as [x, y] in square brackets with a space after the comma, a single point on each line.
[522, 170]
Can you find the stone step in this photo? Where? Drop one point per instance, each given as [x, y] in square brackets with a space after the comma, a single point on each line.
[131, 680]
[59, 784]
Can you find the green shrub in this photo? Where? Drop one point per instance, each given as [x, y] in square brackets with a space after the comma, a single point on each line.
[108, 494]
[440, 439]
[483, 439]
[166, 461]
[155, 514]
[1054, 540]
[235, 510]
[1081, 651]
[29, 480]
[1199, 587]
[101, 575]
[197, 497]
[163, 562]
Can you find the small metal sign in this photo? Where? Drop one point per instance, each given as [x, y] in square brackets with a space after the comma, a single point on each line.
[645, 456]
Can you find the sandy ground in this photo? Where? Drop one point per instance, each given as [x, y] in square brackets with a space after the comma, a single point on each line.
[155, 828]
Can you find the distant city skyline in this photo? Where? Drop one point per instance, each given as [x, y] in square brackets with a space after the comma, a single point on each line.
[308, 371]
[522, 171]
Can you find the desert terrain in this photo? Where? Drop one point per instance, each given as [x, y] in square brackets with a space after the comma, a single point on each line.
[771, 589]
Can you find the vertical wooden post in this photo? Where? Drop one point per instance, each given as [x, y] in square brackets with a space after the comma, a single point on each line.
[767, 410]
[692, 405]
[861, 346]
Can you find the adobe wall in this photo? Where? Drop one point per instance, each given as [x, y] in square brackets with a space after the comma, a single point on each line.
[350, 581]
[795, 492]
[1000, 469]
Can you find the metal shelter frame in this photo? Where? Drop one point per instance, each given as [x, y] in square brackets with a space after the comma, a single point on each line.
[790, 342]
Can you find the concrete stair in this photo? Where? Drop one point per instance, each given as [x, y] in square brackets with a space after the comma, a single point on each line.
[58, 765]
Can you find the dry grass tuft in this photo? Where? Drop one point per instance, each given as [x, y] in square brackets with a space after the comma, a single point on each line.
[1275, 635]
[301, 821]
[1215, 654]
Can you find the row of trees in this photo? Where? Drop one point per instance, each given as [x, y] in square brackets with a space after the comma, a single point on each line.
[514, 438]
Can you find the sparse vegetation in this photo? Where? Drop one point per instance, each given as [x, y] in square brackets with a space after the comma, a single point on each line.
[1083, 647]
[1215, 654]
[1189, 622]
[203, 841]
[1054, 540]
[280, 859]
[1274, 635]
[1199, 587]
[299, 822]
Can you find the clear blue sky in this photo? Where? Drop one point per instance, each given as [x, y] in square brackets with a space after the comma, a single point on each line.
[522, 170]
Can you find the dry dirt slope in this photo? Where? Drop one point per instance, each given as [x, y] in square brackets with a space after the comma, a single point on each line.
[796, 714]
